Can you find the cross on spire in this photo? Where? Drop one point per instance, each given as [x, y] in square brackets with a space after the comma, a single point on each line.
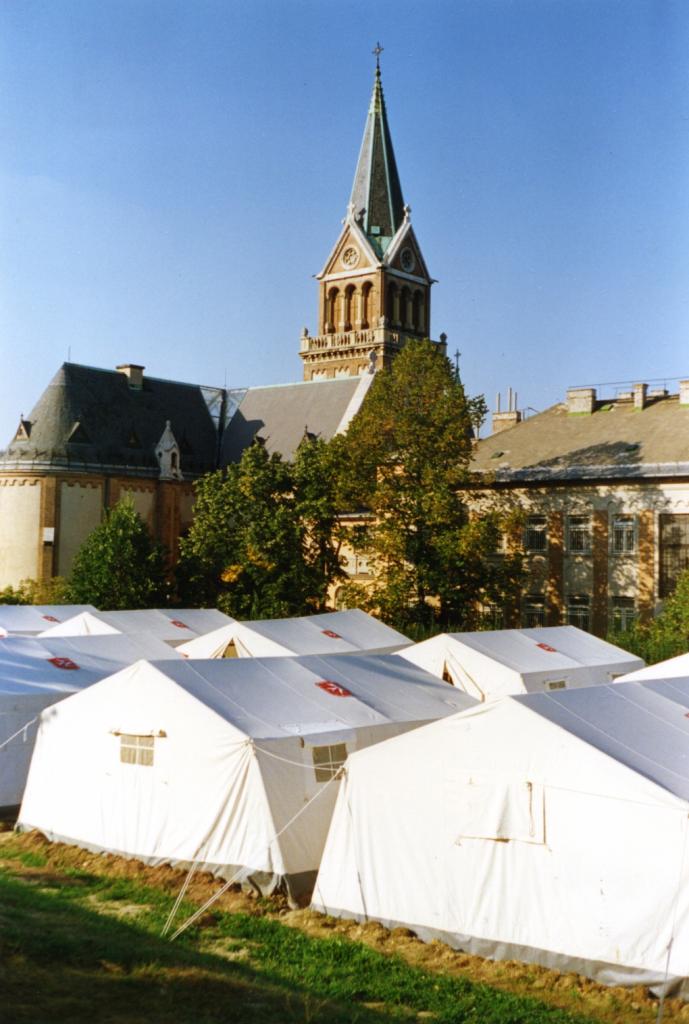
[376, 53]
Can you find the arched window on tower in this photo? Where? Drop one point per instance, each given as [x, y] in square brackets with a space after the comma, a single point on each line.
[392, 304]
[348, 306]
[366, 303]
[331, 311]
[418, 313]
[405, 310]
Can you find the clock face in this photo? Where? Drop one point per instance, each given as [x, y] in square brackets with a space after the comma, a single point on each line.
[407, 260]
[350, 257]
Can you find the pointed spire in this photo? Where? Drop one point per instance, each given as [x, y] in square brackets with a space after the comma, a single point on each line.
[376, 199]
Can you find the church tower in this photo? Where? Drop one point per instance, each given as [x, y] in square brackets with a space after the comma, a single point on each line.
[375, 289]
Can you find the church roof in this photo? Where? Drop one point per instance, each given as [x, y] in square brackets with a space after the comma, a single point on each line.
[281, 415]
[377, 193]
[614, 441]
[90, 418]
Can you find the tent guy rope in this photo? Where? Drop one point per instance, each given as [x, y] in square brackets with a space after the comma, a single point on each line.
[235, 878]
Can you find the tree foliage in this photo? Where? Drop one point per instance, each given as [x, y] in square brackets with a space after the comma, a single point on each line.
[263, 543]
[406, 462]
[665, 636]
[118, 566]
[49, 591]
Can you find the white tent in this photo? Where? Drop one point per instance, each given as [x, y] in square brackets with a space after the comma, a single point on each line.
[672, 668]
[200, 620]
[346, 632]
[547, 827]
[37, 672]
[149, 621]
[497, 662]
[211, 760]
[30, 620]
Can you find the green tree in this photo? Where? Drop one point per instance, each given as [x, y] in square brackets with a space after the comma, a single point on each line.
[665, 636]
[118, 566]
[263, 543]
[407, 456]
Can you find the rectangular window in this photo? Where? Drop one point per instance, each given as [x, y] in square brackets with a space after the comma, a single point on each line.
[674, 551]
[622, 613]
[362, 567]
[536, 534]
[533, 611]
[492, 616]
[328, 759]
[136, 749]
[579, 534]
[623, 535]
[555, 684]
[578, 611]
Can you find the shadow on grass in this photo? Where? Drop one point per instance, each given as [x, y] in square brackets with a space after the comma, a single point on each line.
[63, 962]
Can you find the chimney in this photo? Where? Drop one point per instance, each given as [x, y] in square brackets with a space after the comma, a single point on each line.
[134, 374]
[684, 392]
[640, 396]
[581, 401]
[504, 420]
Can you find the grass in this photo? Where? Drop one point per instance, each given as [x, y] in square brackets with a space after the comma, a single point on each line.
[80, 942]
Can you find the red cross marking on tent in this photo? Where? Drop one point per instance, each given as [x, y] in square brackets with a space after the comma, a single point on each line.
[180, 625]
[334, 689]
[547, 647]
[331, 633]
[65, 663]
[50, 618]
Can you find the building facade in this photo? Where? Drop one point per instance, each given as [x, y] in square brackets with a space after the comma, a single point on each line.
[603, 483]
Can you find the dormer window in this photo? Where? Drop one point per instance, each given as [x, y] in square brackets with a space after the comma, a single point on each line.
[23, 430]
[79, 434]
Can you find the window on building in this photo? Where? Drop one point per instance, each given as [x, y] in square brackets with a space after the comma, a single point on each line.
[555, 684]
[492, 616]
[535, 534]
[328, 760]
[362, 567]
[622, 613]
[136, 749]
[533, 611]
[623, 535]
[579, 611]
[674, 551]
[579, 534]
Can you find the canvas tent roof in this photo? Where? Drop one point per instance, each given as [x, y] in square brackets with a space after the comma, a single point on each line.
[239, 754]
[540, 814]
[30, 620]
[493, 663]
[268, 698]
[36, 672]
[200, 620]
[344, 632]
[149, 621]
[672, 668]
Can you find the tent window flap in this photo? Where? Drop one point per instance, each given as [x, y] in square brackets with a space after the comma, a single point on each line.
[497, 809]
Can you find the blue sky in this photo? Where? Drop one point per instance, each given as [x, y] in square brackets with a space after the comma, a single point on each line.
[173, 172]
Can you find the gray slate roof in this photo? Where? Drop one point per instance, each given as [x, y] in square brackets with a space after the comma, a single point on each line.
[89, 418]
[616, 441]
[280, 415]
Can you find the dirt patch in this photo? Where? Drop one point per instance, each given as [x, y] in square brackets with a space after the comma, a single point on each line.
[568, 991]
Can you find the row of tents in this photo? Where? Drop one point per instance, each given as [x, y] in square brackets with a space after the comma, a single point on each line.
[516, 793]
